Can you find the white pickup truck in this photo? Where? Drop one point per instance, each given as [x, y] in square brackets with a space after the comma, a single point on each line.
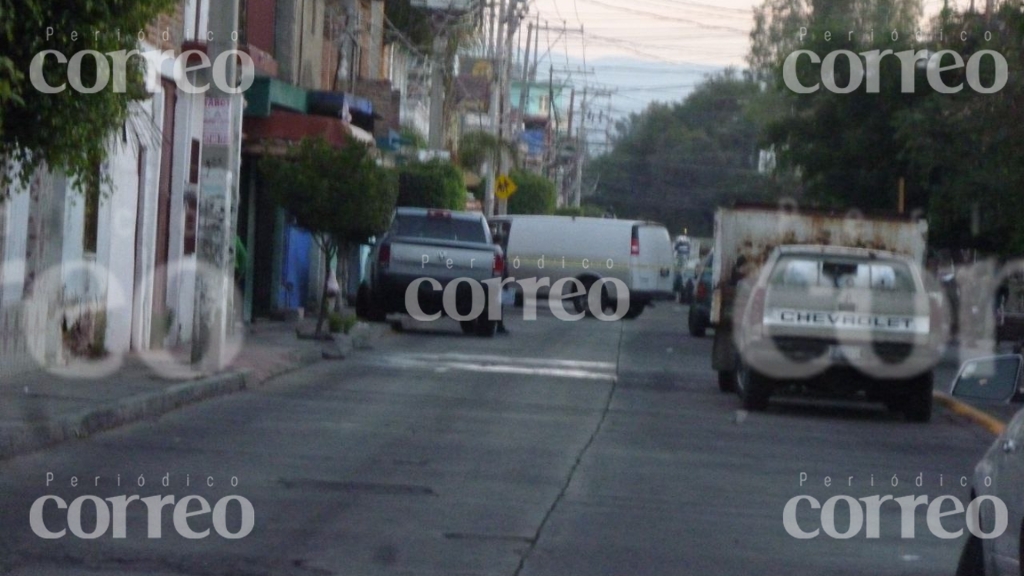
[824, 303]
[442, 245]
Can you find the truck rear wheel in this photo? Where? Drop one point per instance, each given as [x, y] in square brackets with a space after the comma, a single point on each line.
[635, 310]
[917, 405]
[754, 389]
[580, 303]
[485, 328]
[726, 381]
[367, 307]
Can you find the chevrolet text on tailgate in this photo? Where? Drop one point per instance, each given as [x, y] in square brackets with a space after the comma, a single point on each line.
[826, 318]
[439, 245]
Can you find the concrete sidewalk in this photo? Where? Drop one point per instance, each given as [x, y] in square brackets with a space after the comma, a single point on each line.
[40, 408]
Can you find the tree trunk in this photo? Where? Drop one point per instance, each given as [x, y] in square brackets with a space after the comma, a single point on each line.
[323, 295]
[343, 275]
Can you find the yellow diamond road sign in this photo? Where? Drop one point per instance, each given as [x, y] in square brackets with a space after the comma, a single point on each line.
[504, 187]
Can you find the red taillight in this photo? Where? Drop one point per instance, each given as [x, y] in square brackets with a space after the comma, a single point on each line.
[634, 247]
[757, 299]
[384, 256]
[499, 265]
[702, 291]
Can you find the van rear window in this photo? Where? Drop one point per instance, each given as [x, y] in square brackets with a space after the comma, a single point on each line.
[830, 272]
[439, 228]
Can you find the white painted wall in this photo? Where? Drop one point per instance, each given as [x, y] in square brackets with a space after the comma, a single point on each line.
[181, 277]
[116, 249]
[12, 262]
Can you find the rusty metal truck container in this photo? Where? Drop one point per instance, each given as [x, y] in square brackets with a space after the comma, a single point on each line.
[746, 234]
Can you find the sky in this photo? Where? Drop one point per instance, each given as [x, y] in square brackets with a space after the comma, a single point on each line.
[647, 50]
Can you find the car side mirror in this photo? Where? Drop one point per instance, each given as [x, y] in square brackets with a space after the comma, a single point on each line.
[991, 379]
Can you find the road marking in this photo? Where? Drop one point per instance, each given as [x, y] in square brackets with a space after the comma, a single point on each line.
[986, 421]
[553, 367]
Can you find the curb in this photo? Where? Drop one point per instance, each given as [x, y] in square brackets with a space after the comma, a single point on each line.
[25, 439]
[986, 421]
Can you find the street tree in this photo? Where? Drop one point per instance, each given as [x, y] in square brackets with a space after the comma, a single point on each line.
[68, 131]
[434, 184]
[339, 195]
[535, 194]
[676, 163]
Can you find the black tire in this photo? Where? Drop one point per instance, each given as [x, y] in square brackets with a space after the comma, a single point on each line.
[698, 328]
[918, 402]
[366, 306]
[468, 326]
[485, 328]
[579, 303]
[726, 381]
[754, 389]
[635, 310]
[972, 558]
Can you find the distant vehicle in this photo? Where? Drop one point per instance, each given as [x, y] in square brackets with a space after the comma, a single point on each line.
[636, 252]
[425, 243]
[838, 321]
[699, 317]
[1000, 472]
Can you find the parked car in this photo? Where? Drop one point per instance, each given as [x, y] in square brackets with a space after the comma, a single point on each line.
[555, 247]
[995, 383]
[699, 318]
[838, 321]
[438, 244]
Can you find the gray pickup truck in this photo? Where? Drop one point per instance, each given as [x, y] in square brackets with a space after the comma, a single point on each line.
[438, 244]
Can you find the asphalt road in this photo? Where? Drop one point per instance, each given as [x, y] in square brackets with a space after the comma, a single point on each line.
[563, 449]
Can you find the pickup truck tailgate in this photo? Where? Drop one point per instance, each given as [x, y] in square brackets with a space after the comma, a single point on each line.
[441, 260]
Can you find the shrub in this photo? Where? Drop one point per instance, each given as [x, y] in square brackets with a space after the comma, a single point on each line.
[434, 184]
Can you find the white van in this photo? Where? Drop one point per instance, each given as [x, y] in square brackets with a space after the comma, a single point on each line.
[636, 252]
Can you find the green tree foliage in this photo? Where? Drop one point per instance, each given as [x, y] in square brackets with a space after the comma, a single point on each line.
[340, 195]
[675, 163]
[966, 149]
[535, 194]
[588, 210]
[434, 184]
[844, 145]
[958, 154]
[68, 131]
[478, 147]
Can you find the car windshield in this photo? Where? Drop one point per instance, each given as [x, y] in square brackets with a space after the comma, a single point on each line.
[805, 271]
[438, 228]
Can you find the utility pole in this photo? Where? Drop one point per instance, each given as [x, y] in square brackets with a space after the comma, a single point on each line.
[436, 136]
[490, 31]
[536, 51]
[491, 169]
[505, 133]
[214, 317]
[581, 141]
[524, 89]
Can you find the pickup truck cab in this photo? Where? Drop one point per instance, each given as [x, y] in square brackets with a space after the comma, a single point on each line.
[840, 321]
[442, 245]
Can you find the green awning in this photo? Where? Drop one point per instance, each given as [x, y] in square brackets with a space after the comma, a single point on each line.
[266, 93]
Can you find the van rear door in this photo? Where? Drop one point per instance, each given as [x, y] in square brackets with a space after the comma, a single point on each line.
[651, 260]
